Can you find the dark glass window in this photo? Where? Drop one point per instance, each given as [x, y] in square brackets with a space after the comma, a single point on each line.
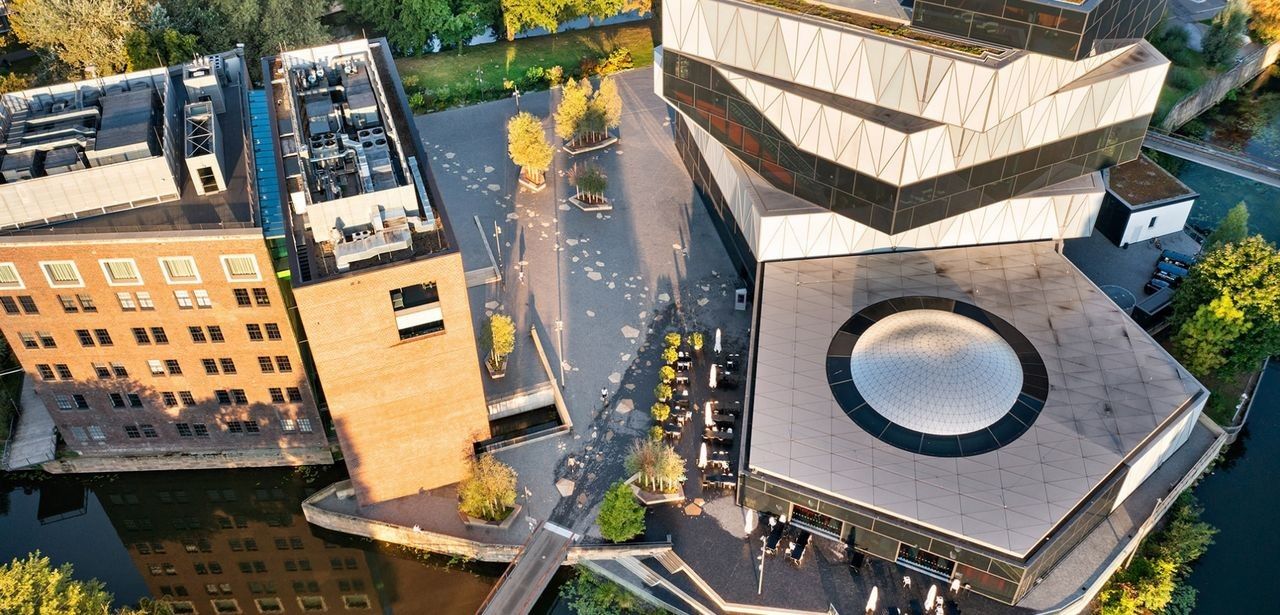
[28, 304]
[265, 364]
[158, 334]
[255, 332]
[242, 297]
[261, 297]
[215, 334]
[140, 336]
[197, 334]
[273, 331]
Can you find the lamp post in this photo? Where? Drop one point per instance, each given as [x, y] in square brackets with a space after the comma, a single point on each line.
[760, 584]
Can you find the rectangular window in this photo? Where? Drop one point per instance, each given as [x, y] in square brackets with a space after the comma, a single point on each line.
[241, 268]
[145, 302]
[184, 299]
[81, 402]
[46, 373]
[10, 306]
[135, 400]
[126, 302]
[184, 430]
[255, 332]
[235, 427]
[242, 297]
[283, 365]
[295, 394]
[261, 297]
[180, 270]
[202, 430]
[277, 395]
[28, 304]
[224, 398]
[210, 366]
[117, 400]
[265, 364]
[132, 431]
[215, 334]
[86, 303]
[61, 274]
[64, 401]
[158, 334]
[417, 310]
[69, 304]
[304, 425]
[170, 400]
[103, 337]
[121, 271]
[288, 425]
[28, 340]
[149, 431]
[9, 278]
[202, 299]
[172, 366]
[238, 397]
[187, 398]
[273, 331]
[64, 372]
[96, 433]
[156, 367]
[119, 370]
[140, 336]
[1152, 223]
[197, 334]
[46, 339]
[103, 372]
[79, 433]
[228, 366]
[85, 338]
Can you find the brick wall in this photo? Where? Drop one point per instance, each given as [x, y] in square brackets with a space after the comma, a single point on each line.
[406, 411]
[226, 423]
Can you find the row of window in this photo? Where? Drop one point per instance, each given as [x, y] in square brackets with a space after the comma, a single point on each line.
[170, 399]
[146, 336]
[141, 300]
[187, 430]
[166, 367]
[231, 606]
[125, 272]
[256, 567]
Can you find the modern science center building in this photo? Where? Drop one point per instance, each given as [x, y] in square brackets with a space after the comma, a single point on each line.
[932, 381]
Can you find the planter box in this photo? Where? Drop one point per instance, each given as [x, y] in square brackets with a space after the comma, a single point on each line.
[471, 522]
[584, 206]
[650, 498]
[582, 149]
[532, 187]
[495, 374]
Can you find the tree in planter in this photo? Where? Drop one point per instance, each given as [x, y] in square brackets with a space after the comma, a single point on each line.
[500, 338]
[669, 355]
[591, 184]
[673, 340]
[660, 468]
[662, 392]
[621, 516]
[489, 491]
[695, 340]
[528, 147]
[609, 104]
[666, 374]
[574, 101]
[656, 433]
[660, 412]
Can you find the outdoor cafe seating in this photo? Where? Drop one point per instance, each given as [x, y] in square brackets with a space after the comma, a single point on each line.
[798, 547]
[775, 536]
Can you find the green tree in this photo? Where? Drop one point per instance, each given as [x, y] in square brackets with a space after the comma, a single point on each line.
[666, 374]
[79, 34]
[572, 108]
[467, 20]
[669, 355]
[656, 434]
[662, 392]
[591, 183]
[527, 144]
[621, 516]
[672, 340]
[1248, 272]
[590, 594]
[489, 490]
[416, 22]
[264, 26]
[1266, 19]
[32, 586]
[1205, 340]
[1234, 227]
[157, 43]
[500, 339]
[599, 10]
[1222, 41]
[521, 15]
[660, 411]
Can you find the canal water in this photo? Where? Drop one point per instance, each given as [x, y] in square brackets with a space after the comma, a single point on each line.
[225, 541]
[1240, 499]
[1249, 123]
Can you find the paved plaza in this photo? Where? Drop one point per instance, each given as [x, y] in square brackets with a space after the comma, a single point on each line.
[601, 288]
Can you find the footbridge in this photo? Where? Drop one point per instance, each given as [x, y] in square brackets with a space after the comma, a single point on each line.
[530, 572]
[1236, 163]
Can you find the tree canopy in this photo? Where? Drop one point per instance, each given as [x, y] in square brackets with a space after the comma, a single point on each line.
[661, 469]
[500, 337]
[1247, 273]
[79, 34]
[1266, 19]
[264, 26]
[591, 594]
[609, 103]
[1205, 340]
[528, 147]
[574, 100]
[621, 516]
[1222, 41]
[489, 490]
[1234, 227]
[32, 586]
[410, 25]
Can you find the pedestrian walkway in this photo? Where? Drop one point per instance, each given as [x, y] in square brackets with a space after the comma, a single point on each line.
[33, 442]
[1214, 157]
[531, 571]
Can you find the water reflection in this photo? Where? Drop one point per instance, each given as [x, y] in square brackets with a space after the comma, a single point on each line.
[225, 542]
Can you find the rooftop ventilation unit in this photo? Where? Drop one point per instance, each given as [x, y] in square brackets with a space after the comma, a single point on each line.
[203, 153]
[203, 79]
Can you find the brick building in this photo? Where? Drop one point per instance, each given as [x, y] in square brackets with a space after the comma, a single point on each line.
[375, 270]
[143, 306]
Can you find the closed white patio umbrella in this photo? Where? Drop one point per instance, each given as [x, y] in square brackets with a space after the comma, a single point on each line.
[875, 597]
[702, 457]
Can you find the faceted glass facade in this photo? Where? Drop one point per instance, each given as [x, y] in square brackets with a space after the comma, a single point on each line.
[1051, 28]
[711, 102]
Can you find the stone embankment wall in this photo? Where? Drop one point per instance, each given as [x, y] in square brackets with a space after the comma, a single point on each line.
[1216, 89]
[190, 461]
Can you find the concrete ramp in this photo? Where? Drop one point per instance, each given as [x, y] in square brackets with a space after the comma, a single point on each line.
[33, 441]
[528, 575]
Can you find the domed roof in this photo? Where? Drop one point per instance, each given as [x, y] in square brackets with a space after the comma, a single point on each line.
[936, 372]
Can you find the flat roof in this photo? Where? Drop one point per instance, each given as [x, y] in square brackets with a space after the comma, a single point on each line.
[1142, 182]
[1109, 386]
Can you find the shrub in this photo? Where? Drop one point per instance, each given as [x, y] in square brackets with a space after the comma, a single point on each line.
[673, 340]
[666, 374]
[656, 434]
[535, 74]
[695, 340]
[500, 338]
[555, 75]
[661, 469]
[669, 355]
[618, 59]
[489, 491]
[662, 392]
[621, 517]
[418, 102]
[591, 594]
[660, 412]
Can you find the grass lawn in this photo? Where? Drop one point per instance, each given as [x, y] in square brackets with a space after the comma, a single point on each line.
[476, 74]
